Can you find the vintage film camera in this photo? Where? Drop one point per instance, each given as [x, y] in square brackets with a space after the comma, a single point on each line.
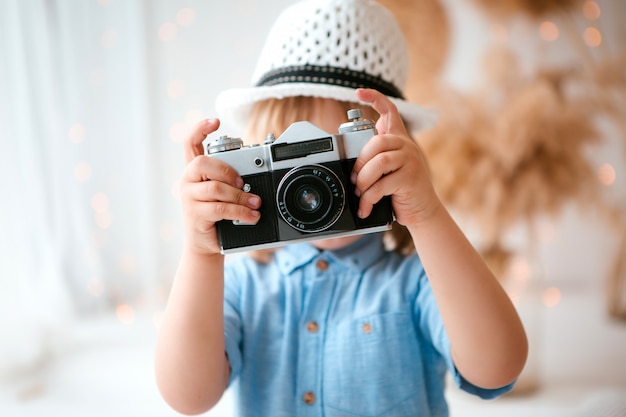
[303, 179]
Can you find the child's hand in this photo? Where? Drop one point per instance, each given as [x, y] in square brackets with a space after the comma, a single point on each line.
[392, 163]
[210, 191]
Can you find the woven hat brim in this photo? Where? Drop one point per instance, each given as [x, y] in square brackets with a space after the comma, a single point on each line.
[234, 106]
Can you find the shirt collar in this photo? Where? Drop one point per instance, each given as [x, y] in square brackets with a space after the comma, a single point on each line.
[358, 256]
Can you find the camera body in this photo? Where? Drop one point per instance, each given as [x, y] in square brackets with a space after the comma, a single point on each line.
[303, 179]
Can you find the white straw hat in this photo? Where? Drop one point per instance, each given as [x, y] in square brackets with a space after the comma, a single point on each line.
[328, 48]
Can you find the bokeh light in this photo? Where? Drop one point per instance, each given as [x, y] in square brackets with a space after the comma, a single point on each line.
[520, 269]
[100, 202]
[592, 37]
[551, 297]
[549, 31]
[186, 16]
[591, 10]
[77, 133]
[125, 313]
[82, 172]
[167, 31]
[606, 174]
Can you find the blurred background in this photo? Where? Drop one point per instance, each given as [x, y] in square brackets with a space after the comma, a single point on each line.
[96, 97]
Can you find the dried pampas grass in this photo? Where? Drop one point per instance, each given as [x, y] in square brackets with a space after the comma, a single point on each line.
[511, 153]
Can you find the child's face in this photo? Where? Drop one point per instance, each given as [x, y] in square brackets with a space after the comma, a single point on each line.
[328, 115]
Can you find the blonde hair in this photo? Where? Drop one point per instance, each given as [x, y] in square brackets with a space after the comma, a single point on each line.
[275, 116]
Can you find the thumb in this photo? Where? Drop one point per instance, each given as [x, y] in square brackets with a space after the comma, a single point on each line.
[390, 120]
[193, 143]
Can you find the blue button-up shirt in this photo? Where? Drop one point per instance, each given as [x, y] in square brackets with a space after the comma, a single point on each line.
[352, 332]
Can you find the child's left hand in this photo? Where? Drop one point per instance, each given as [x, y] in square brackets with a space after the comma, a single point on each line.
[392, 163]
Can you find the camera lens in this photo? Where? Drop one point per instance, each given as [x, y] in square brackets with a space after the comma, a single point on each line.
[310, 198]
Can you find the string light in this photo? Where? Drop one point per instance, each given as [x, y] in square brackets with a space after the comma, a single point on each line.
[549, 31]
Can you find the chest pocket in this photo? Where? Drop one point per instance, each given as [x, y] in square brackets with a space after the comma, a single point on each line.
[372, 366]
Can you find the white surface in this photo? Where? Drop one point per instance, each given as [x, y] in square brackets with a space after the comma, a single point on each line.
[106, 369]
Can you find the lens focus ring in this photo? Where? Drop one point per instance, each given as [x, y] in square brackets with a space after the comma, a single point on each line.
[310, 198]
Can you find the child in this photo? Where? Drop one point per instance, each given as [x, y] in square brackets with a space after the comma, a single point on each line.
[355, 326]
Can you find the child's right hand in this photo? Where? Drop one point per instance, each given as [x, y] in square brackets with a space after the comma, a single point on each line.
[210, 191]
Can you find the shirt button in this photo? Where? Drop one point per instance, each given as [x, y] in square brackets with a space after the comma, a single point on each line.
[322, 265]
[312, 327]
[367, 328]
[308, 398]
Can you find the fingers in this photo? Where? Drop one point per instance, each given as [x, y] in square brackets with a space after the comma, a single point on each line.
[214, 189]
[383, 167]
[204, 168]
[193, 144]
[213, 201]
[390, 120]
[384, 186]
[221, 210]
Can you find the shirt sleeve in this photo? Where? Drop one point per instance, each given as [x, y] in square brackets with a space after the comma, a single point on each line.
[233, 329]
[431, 326]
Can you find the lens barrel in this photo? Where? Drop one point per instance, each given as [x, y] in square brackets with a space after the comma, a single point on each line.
[310, 198]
